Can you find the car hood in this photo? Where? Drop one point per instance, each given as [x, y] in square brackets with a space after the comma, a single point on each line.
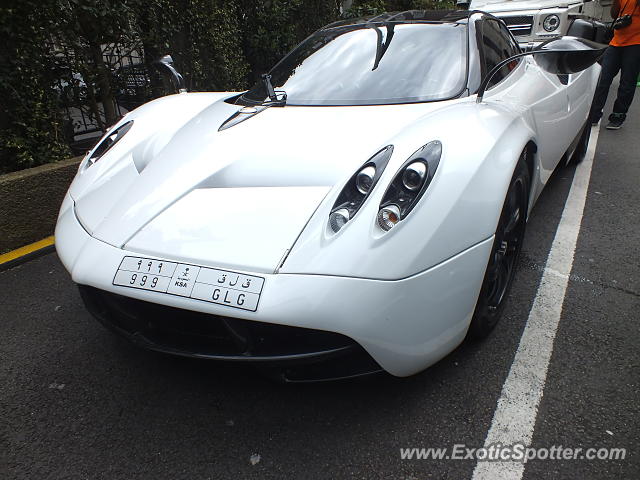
[236, 198]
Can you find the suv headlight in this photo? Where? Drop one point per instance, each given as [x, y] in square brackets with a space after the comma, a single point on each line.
[551, 22]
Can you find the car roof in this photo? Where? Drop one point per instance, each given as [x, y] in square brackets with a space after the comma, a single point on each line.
[408, 16]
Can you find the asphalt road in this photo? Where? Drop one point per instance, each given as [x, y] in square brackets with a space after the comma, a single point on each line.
[76, 402]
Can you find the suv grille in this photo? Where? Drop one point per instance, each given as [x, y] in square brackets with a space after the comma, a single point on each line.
[519, 25]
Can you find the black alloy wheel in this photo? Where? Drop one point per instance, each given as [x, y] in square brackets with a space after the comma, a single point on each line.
[504, 254]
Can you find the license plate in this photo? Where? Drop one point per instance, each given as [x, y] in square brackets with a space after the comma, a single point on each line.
[223, 287]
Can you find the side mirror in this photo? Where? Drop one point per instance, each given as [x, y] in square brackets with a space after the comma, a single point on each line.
[566, 55]
[165, 66]
[560, 56]
[602, 30]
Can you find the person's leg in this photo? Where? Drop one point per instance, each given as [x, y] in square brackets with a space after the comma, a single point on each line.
[630, 67]
[610, 68]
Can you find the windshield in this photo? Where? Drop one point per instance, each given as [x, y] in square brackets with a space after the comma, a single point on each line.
[372, 64]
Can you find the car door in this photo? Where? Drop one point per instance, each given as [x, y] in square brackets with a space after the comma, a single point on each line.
[579, 90]
[542, 93]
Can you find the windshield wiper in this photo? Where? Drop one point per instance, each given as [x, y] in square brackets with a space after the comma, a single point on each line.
[274, 101]
[381, 48]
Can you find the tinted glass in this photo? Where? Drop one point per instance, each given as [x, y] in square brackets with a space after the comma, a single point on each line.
[512, 45]
[497, 46]
[372, 65]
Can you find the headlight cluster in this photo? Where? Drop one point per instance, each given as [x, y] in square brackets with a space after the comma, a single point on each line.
[409, 185]
[403, 193]
[109, 140]
[358, 188]
[551, 22]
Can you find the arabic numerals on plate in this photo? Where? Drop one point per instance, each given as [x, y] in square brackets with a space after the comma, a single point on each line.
[143, 281]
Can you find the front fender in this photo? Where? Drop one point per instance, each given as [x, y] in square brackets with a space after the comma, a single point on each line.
[97, 189]
[155, 123]
[461, 207]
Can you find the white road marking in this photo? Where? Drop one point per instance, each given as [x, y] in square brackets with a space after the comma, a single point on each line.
[515, 416]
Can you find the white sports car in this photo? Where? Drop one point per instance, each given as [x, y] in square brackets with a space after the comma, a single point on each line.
[361, 208]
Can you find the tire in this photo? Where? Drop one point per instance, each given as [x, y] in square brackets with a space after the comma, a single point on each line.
[581, 149]
[504, 255]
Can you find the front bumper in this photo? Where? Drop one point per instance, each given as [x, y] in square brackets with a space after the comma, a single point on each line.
[405, 325]
[291, 354]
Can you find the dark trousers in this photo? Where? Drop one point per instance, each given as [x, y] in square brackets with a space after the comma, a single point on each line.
[617, 59]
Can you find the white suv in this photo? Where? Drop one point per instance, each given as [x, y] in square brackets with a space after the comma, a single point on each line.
[534, 21]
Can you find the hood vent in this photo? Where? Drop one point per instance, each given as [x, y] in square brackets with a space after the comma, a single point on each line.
[245, 113]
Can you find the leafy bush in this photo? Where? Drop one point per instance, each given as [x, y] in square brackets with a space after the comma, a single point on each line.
[31, 130]
[362, 8]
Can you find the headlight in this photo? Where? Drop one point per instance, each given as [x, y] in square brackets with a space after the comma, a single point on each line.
[108, 141]
[364, 179]
[338, 219]
[358, 188]
[551, 23]
[408, 185]
[388, 217]
[414, 175]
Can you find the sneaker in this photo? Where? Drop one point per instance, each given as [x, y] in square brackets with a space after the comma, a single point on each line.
[615, 121]
[595, 118]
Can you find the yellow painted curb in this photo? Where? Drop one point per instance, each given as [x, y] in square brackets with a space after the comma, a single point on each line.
[26, 250]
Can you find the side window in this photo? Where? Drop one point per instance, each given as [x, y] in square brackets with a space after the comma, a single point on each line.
[512, 44]
[497, 45]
